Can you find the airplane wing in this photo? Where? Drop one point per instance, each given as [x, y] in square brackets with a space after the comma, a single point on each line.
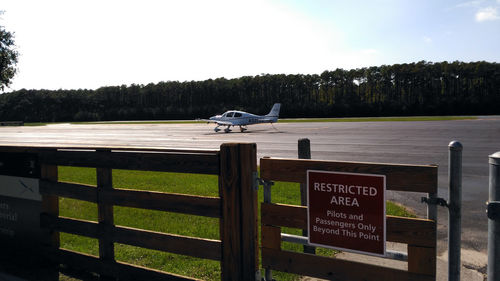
[223, 123]
[267, 120]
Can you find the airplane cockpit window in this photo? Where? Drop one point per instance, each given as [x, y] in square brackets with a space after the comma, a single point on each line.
[230, 114]
[237, 114]
[224, 115]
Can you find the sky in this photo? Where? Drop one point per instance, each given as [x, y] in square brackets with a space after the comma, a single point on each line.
[87, 44]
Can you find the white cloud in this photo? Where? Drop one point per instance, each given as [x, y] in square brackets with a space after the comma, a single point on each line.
[427, 39]
[487, 14]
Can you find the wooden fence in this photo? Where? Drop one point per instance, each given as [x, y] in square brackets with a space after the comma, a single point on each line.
[236, 207]
[418, 234]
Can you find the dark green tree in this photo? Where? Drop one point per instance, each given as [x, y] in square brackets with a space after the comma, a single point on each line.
[8, 57]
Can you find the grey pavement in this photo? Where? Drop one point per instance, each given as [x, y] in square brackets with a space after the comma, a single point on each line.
[468, 271]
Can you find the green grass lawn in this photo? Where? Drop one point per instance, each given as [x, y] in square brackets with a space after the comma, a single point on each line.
[286, 120]
[378, 119]
[188, 225]
[302, 120]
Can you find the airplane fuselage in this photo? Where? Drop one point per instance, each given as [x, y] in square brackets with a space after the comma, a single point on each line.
[242, 118]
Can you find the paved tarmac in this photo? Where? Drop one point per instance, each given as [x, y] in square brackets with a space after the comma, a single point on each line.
[424, 142]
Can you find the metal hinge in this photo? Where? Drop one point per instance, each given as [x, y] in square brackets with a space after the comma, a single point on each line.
[435, 201]
[493, 210]
[258, 181]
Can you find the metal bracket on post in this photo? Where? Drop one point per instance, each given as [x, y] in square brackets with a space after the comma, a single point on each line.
[267, 189]
[256, 180]
[435, 201]
[268, 275]
[265, 183]
[493, 210]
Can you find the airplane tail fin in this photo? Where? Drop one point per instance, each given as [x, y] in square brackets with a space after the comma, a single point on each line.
[275, 111]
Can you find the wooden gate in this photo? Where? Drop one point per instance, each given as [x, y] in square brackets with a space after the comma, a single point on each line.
[418, 234]
[236, 207]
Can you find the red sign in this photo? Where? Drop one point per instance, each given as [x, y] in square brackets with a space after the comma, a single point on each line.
[346, 211]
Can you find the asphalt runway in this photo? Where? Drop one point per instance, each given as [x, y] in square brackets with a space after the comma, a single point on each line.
[424, 142]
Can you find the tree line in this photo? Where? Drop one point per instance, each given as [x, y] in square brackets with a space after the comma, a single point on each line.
[423, 88]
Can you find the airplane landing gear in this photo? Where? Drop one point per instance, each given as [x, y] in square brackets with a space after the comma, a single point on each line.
[216, 129]
[227, 130]
[242, 129]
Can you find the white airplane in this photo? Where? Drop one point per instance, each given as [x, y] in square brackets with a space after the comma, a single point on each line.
[242, 119]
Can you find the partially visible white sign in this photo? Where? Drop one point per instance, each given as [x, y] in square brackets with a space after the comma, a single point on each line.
[18, 187]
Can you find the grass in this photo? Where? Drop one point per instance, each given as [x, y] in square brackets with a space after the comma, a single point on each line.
[379, 119]
[170, 222]
[288, 120]
[141, 122]
[396, 209]
[34, 124]
[302, 120]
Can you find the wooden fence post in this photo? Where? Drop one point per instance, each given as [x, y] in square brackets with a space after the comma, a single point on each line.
[51, 239]
[105, 215]
[238, 226]
[50, 204]
[304, 152]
